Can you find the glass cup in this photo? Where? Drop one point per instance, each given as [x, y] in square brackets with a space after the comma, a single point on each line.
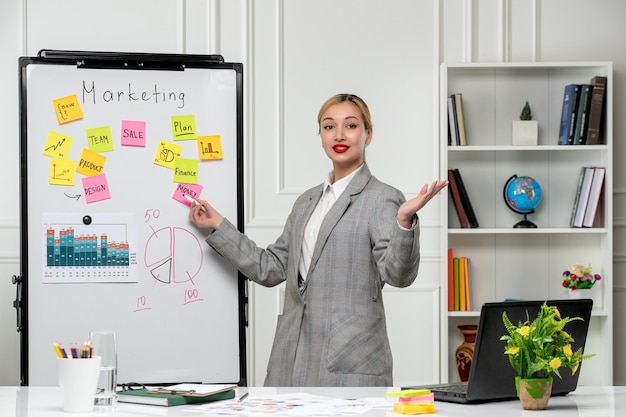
[105, 346]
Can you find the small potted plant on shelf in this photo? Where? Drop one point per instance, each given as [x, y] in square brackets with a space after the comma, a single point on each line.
[525, 130]
[579, 280]
[537, 349]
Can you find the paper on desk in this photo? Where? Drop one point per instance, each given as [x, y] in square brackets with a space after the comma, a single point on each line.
[297, 404]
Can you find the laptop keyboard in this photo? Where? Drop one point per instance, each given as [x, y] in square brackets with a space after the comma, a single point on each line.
[462, 388]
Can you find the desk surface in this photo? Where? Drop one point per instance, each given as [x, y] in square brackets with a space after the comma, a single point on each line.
[585, 401]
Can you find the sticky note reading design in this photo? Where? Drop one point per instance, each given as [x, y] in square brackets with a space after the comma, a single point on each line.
[61, 172]
[133, 133]
[96, 188]
[90, 163]
[57, 145]
[167, 153]
[186, 170]
[67, 109]
[99, 139]
[182, 189]
[210, 147]
[184, 127]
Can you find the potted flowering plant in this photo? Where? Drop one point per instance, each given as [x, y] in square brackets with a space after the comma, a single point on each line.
[537, 349]
[579, 277]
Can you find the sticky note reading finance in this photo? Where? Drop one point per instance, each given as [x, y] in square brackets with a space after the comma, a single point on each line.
[133, 133]
[90, 163]
[210, 147]
[96, 188]
[67, 109]
[57, 145]
[61, 172]
[99, 139]
[167, 153]
[184, 127]
[186, 170]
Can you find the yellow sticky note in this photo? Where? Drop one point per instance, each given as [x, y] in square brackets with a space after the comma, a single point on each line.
[99, 139]
[167, 153]
[186, 170]
[67, 109]
[210, 147]
[184, 127]
[61, 172]
[57, 145]
[91, 163]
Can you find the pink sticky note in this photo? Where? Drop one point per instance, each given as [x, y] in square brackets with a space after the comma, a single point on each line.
[133, 133]
[182, 189]
[96, 188]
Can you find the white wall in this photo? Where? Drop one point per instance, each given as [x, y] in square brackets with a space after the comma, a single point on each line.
[296, 53]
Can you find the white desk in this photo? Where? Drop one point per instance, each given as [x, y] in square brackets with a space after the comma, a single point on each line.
[585, 401]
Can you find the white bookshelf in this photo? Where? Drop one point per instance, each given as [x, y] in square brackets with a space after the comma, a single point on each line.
[509, 263]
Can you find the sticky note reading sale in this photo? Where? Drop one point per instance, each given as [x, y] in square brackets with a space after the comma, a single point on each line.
[61, 172]
[90, 163]
[67, 109]
[210, 147]
[184, 127]
[57, 145]
[133, 133]
[186, 170]
[96, 188]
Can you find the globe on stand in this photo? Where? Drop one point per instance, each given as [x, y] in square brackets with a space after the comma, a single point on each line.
[522, 194]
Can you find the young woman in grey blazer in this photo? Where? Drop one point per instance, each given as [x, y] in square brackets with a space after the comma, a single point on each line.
[342, 242]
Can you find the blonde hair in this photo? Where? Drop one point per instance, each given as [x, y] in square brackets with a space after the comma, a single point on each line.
[340, 98]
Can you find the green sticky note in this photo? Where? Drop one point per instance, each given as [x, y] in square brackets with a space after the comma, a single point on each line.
[186, 170]
[184, 127]
[99, 139]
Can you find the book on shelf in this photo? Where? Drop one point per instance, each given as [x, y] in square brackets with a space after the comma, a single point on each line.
[462, 285]
[455, 288]
[595, 192]
[461, 289]
[450, 279]
[460, 119]
[580, 134]
[456, 200]
[582, 197]
[453, 130]
[470, 294]
[568, 113]
[596, 110]
[169, 397]
[465, 200]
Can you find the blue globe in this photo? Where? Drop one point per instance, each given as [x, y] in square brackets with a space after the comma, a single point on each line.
[522, 194]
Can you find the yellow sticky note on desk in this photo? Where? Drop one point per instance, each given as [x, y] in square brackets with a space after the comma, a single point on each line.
[407, 408]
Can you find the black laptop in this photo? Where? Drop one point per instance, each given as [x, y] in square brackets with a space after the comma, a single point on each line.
[492, 378]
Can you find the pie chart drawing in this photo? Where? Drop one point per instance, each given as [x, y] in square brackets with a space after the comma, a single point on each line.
[173, 255]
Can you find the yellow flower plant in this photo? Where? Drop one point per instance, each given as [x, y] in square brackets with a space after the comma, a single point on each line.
[539, 348]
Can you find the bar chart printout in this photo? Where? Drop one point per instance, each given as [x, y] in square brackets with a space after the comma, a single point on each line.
[94, 253]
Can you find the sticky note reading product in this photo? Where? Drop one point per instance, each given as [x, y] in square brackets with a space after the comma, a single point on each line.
[210, 147]
[57, 145]
[186, 170]
[184, 127]
[182, 189]
[90, 163]
[99, 139]
[61, 172]
[67, 109]
[133, 133]
[96, 188]
[167, 153]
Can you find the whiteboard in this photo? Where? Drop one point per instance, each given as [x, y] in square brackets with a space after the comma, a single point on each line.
[144, 271]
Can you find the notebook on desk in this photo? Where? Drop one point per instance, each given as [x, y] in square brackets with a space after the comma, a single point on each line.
[492, 378]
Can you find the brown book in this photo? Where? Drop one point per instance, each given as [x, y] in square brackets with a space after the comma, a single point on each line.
[465, 200]
[596, 110]
[456, 199]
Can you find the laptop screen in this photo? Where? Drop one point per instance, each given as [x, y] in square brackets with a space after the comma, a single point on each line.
[491, 374]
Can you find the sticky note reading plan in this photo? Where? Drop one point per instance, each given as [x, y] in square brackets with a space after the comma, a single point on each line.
[184, 127]
[186, 170]
[67, 109]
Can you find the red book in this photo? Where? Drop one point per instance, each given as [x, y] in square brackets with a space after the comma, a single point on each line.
[456, 199]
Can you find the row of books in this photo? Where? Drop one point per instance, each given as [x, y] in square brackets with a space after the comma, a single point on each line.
[588, 199]
[459, 283]
[582, 113]
[461, 200]
[456, 121]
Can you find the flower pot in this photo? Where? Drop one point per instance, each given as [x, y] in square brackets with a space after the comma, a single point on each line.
[524, 132]
[579, 293]
[534, 393]
[465, 351]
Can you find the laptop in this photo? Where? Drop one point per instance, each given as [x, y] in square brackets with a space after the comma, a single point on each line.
[492, 378]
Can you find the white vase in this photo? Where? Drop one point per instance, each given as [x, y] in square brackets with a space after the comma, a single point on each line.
[579, 293]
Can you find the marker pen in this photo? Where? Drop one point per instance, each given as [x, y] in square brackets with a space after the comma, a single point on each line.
[194, 201]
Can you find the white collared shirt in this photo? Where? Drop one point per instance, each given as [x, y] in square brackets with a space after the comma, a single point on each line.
[330, 194]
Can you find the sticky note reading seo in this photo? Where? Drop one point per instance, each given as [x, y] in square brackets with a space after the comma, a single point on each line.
[133, 133]
[184, 127]
[96, 188]
[61, 172]
[167, 153]
[210, 147]
[67, 109]
[57, 145]
[186, 170]
[90, 163]
[99, 139]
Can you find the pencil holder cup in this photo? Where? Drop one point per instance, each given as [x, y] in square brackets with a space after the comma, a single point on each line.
[78, 378]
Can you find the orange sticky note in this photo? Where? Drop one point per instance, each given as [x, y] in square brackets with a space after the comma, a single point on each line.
[67, 109]
[61, 172]
[184, 127]
[167, 153]
[91, 163]
[57, 145]
[99, 139]
[210, 147]
[186, 170]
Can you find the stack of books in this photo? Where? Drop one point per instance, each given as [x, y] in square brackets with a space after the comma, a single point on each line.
[456, 121]
[582, 113]
[587, 208]
[461, 200]
[459, 283]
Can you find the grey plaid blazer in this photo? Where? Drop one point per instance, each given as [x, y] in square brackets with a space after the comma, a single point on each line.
[333, 333]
